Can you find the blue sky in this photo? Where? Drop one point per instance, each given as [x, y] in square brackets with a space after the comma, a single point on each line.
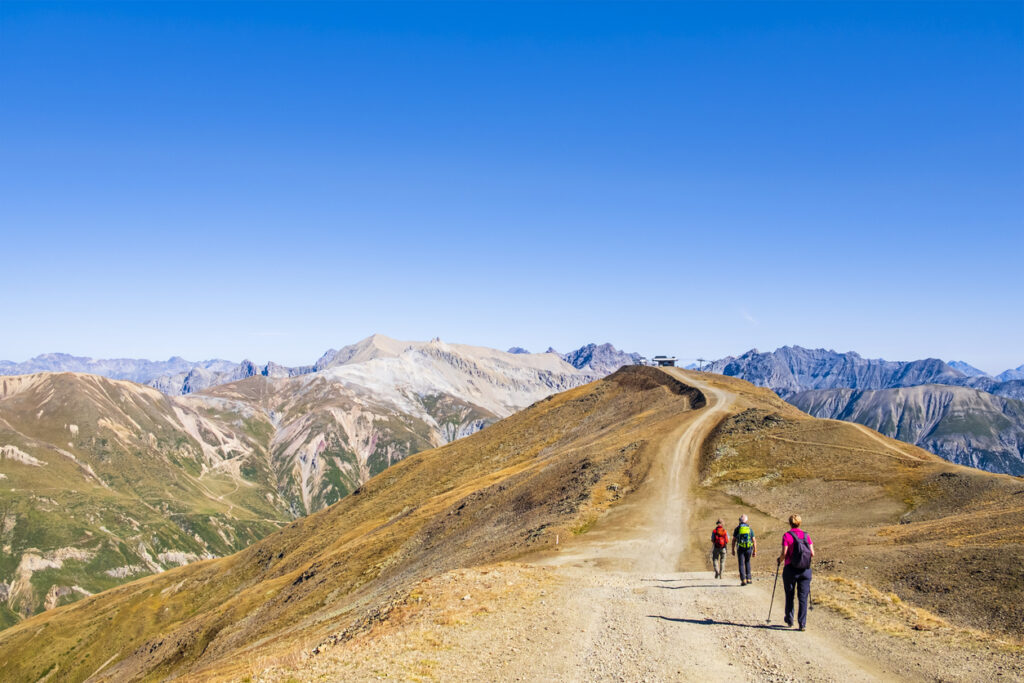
[267, 181]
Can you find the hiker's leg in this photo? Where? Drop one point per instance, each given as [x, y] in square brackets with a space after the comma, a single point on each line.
[788, 584]
[744, 562]
[804, 590]
[747, 555]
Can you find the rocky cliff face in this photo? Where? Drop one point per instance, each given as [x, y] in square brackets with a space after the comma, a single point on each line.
[962, 425]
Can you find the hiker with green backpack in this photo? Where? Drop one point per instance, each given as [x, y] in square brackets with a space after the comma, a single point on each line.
[743, 540]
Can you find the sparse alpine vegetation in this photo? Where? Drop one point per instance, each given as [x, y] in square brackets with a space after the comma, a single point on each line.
[104, 481]
[890, 521]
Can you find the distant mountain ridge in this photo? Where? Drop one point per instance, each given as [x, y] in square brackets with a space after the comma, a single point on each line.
[960, 424]
[967, 369]
[792, 369]
[1008, 375]
[177, 376]
[954, 410]
[603, 359]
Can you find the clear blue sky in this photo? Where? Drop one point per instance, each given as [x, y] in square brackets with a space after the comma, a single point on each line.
[266, 181]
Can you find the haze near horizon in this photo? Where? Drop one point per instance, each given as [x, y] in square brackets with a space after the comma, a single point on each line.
[267, 181]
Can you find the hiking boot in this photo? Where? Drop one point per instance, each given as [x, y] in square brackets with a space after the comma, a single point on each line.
[803, 628]
[789, 623]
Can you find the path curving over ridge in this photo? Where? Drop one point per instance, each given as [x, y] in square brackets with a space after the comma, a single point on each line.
[645, 532]
[627, 613]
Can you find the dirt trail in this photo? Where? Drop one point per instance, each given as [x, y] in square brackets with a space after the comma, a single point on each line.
[628, 613]
[619, 604]
[643, 534]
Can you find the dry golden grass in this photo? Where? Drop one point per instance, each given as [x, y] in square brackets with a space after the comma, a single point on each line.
[887, 516]
[510, 489]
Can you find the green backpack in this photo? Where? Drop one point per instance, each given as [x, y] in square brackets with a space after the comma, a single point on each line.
[744, 536]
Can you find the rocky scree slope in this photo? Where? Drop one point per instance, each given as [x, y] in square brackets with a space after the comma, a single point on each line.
[545, 472]
[373, 406]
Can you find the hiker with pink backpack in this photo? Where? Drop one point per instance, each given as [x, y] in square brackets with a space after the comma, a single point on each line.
[797, 551]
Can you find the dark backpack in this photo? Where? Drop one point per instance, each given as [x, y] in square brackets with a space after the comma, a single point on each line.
[800, 551]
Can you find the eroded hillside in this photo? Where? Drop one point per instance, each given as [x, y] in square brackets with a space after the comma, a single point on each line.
[543, 473]
[102, 481]
[105, 481]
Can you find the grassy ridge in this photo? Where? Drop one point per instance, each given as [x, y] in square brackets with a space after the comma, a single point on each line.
[883, 513]
[504, 491]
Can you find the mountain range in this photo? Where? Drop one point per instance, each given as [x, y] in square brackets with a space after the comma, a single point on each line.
[177, 376]
[951, 409]
[560, 537]
[105, 480]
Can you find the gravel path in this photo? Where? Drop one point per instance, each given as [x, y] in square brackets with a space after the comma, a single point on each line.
[611, 606]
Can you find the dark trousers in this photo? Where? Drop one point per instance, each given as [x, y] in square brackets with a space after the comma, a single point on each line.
[743, 555]
[796, 581]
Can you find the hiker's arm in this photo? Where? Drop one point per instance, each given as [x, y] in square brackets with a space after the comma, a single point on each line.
[812, 548]
[755, 547]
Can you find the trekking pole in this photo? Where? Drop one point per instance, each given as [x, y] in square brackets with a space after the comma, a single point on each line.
[774, 586]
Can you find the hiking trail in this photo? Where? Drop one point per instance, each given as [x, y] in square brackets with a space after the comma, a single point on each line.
[618, 604]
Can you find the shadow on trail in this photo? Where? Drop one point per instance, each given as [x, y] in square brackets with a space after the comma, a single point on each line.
[700, 585]
[714, 622]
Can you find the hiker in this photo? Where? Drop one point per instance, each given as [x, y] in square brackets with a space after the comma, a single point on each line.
[797, 551]
[743, 539]
[719, 542]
